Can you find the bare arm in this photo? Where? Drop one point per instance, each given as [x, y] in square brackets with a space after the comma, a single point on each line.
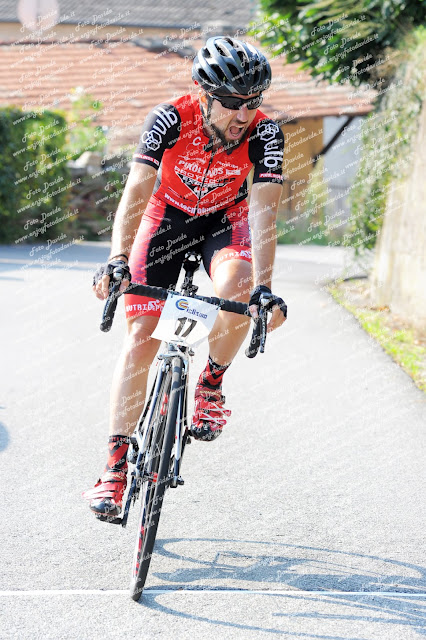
[263, 208]
[137, 192]
[262, 219]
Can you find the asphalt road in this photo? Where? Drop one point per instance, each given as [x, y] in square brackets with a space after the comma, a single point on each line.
[305, 519]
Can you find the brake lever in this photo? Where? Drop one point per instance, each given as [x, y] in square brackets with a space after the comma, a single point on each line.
[263, 315]
[253, 347]
[258, 338]
[111, 302]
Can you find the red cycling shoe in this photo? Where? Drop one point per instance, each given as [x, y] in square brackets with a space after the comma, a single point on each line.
[209, 414]
[106, 497]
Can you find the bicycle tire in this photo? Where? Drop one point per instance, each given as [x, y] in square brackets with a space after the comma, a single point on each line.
[153, 491]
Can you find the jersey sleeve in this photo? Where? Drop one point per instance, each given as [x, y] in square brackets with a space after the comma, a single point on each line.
[160, 132]
[266, 149]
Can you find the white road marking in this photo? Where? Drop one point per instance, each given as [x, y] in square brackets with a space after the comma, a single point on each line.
[147, 592]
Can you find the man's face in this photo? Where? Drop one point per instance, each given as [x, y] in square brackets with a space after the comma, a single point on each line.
[229, 125]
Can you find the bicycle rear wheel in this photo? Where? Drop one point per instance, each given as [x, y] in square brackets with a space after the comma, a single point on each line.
[158, 467]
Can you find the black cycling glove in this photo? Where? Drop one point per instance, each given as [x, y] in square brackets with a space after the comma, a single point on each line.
[262, 292]
[118, 267]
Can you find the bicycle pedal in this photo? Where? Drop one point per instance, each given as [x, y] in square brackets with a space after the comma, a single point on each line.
[174, 482]
[110, 519]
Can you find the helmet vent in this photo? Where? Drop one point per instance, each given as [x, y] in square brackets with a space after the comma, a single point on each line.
[235, 72]
[223, 50]
[241, 56]
[203, 75]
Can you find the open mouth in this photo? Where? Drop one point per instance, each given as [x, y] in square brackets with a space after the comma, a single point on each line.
[235, 132]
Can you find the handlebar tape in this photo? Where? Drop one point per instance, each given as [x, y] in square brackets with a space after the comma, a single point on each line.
[161, 294]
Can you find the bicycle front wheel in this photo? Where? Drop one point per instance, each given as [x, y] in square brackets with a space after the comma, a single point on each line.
[158, 461]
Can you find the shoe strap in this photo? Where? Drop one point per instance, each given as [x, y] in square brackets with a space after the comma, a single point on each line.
[111, 485]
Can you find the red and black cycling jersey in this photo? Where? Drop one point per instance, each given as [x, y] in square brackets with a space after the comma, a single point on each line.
[196, 179]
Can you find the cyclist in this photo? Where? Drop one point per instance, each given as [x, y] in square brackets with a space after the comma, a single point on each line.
[187, 189]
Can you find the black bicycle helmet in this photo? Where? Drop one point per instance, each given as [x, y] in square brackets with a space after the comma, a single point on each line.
[226, 66]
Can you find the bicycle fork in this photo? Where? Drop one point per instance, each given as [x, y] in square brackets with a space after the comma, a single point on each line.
[139, 441]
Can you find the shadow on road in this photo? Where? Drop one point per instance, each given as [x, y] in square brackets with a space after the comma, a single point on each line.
[4, 437]
[288, 567]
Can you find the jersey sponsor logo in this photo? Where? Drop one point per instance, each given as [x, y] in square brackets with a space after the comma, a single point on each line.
[152, 305]
[267, 131]
[192, 149]
[231, 254]
[144, 157]
[155, 305]
[200, 188]
[273, 155]
[277, 176]
[195, 142]
[193, 174]
[179, 204]
[189, 166]
[168, 118]
[152, 140]
[225, 168]
[193, 168]
[154, 137]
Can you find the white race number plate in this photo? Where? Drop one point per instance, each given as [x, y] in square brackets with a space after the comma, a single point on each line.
[185, 320]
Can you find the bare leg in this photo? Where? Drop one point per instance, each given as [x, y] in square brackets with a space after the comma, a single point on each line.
[127, 400]
[230, 329]
[131, 374]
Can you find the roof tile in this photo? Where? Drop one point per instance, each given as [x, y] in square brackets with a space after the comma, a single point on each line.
[145, 13]
[129, 81]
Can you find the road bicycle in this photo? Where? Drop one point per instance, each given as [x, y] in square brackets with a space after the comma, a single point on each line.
[162, 432]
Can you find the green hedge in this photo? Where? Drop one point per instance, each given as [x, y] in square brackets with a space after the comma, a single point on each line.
[34, 179]
[338, 40]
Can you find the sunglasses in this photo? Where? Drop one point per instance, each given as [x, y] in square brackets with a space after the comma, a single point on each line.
[229, 102]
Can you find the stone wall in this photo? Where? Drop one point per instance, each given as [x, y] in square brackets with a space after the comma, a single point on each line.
[399, 274]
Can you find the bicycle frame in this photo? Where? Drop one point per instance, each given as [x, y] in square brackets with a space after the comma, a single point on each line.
[139, 441]
[182, 436]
